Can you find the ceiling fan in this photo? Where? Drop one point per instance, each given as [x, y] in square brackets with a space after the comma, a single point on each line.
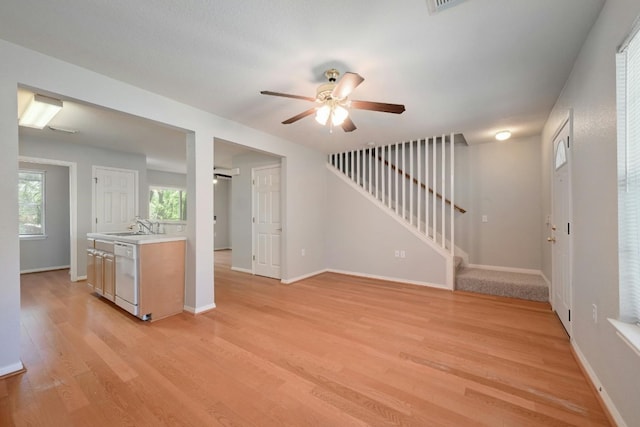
[334, 102]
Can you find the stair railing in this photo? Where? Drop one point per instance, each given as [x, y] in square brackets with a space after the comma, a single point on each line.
[415, 179]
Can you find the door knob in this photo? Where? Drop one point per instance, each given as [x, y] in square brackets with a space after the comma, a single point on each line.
[551, 239]
[554, 228]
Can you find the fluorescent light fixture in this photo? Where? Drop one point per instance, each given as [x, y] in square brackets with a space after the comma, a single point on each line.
[503, 135]
[40, 111]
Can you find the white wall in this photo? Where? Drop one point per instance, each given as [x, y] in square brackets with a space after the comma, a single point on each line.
[500, 180]
[86, 157]
[362, 239]
[590, 91]
[302, 165]
[54, 250]
[165, 179]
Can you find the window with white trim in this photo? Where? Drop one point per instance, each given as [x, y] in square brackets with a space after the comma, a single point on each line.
[167, 204]
[31, 198]
[628, 100]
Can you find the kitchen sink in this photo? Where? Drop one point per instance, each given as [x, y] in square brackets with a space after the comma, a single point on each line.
[127, 233]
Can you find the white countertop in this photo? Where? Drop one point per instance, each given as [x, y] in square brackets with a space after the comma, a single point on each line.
[137, 239]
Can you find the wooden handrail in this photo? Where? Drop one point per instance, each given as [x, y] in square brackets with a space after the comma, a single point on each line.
[438, 195]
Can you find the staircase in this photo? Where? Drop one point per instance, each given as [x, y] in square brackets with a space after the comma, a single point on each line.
[501, 283]
[413, 182]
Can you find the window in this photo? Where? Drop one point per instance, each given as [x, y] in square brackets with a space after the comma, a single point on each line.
[628, 106]
[31, 203]
[169, 204]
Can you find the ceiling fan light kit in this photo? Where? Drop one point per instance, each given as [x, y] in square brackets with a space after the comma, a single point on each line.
[334, 101]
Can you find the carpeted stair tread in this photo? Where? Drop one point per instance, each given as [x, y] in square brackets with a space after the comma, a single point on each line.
[501, 283]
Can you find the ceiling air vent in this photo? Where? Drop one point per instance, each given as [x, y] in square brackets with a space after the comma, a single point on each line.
[437, 6]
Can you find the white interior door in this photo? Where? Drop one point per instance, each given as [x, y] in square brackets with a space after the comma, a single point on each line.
[115, 196]
[561, 228]
[267, 223]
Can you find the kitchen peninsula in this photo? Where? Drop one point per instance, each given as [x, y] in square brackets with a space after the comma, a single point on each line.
[142, 273]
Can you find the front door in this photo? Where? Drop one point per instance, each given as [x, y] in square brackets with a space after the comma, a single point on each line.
[115, 195]
[561, 227]
[267, 230]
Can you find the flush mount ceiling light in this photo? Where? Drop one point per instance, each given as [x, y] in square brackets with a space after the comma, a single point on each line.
[503, 135]
[40, 111]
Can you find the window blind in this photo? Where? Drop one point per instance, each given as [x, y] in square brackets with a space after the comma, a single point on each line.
[628, 100]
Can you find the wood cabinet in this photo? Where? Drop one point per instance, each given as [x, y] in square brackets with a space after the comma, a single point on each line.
[109, 276]
[101, 268]
[162, 269]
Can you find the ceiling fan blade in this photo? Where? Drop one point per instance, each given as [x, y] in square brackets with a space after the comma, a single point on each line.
[348, 125]
[300, 116]
[378, 106]
[286, 95]
[346, 85]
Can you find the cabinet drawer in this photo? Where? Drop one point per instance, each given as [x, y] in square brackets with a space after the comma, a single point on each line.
[104, 246]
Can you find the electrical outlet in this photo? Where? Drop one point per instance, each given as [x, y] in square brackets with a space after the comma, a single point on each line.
[594, 313]
[397, 253]
[403, 254]
[303, 252]
[485, 218]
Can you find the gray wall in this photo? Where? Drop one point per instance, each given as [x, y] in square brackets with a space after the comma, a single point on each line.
[500, 180]
[241, 238]
[54, 251]
[222, 211]
[86, 157]
[362, 239]
[590, 91]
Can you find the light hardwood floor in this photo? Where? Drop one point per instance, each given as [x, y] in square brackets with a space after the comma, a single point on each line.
[331, 350]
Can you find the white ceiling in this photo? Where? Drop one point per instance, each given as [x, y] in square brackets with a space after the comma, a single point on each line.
[477, 68]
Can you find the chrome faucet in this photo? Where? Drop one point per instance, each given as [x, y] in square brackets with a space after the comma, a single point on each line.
[146, 225]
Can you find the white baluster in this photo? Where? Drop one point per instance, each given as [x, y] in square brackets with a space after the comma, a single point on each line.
[444, 190]
[411, 182]
[419, 173]
[426, 185]
[434, 226]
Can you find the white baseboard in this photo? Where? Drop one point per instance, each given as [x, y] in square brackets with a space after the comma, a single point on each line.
[224, 248]
[546, 281]
[388, 279]
[242, 270]
[10, 369]
[79, 278]
[506, 269]
[198, 310]
[611, 407]
[304, 276]
[40, 270]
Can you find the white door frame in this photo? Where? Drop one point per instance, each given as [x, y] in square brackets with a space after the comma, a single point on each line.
[73, 208]
[136, 196]
[568, 121]
[253, 215]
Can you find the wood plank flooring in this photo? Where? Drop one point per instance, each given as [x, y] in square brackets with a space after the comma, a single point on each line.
[331, 350]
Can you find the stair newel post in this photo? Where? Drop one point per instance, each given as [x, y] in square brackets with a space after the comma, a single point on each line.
[452, 184]
[411, 178]
[443, 231]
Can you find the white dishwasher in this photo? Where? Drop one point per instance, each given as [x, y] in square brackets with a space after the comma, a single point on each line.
[126, 276]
